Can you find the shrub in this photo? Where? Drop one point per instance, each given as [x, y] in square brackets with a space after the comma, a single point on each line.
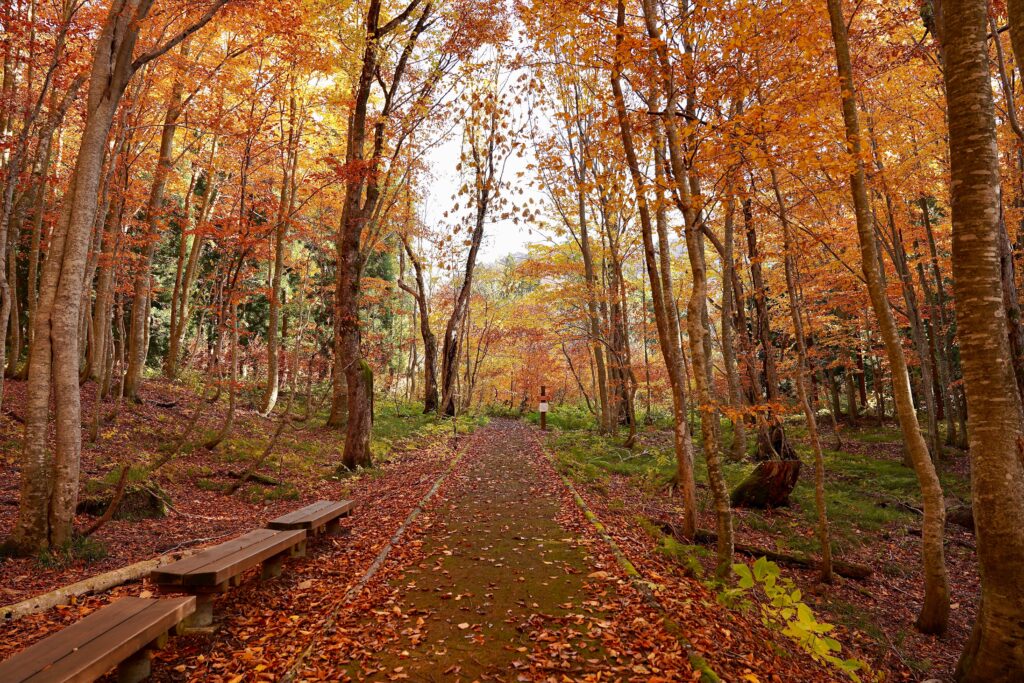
[785, 611]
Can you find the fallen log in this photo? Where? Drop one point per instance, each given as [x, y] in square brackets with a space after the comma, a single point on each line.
[849, 570]
[948, 539]
[962, 516]
[94, 584]
[958, 514]
[768, 486]
[243, 477]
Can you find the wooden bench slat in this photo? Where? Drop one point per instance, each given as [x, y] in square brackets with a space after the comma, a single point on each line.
[36, 657]
[94, 645]
[174, 572]
[313, 516]
[302, 513]
[112, 647]
[215, 566]
[237, 563]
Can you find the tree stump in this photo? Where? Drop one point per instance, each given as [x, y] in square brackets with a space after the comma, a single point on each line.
[772, 443]
[768, 486]
[139, 501]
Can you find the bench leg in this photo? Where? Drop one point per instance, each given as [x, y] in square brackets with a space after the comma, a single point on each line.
[203, 616]
[298, 550]
[333, 527]
[136, 668]
[271, 568]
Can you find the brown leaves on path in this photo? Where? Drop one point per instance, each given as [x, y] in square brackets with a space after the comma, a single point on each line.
[501, 578]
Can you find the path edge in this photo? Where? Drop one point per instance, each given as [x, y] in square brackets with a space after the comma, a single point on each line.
[378, 561]
[697, 661]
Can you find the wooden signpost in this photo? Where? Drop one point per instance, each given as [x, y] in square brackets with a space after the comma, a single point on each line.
[543, 408]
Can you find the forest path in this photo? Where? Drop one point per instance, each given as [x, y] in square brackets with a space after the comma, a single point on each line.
[508, 584]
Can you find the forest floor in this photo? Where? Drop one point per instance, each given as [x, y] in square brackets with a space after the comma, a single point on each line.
[502, 576]
[871, 497]
[303, 463]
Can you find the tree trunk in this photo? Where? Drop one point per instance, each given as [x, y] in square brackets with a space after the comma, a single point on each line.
[917, 331]
[738, 449]
[768, 486]
[934, 614]
[15, 159]
[187, 266]
[49, 488]
[697, 316]
[802, 371]
[483, 183]
[137, 352]
[993, 651]
[666, 320]
[430, 397]
[229, 420]
[593, 312]
[771, 435]
[285, 208]
[352, 381]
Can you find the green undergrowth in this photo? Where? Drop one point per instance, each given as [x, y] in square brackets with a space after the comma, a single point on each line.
[686, 556]
[591, 458]
[306, 453]
[258, 494]
[565, 417]
[136, 475]
[79, 549]
[782, 608]
[404, 427]
[864, 492]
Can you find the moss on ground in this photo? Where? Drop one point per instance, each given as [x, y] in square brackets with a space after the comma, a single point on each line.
[863, 492]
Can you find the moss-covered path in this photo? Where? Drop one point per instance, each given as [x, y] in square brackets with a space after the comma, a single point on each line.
[509, 585]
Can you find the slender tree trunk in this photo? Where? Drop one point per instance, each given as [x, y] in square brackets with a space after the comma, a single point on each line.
[664, 310]
[802, 372]
[738, 449]
[13, 162]
[485, 177]
[934, 614]
[917, 331]
[181, 298]
[137, 334]
[771, 436]
[285, 207]
[593, 312]
[229, 420]
[430, 396]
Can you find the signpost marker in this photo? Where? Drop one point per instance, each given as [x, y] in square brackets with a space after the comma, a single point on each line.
[543, 408]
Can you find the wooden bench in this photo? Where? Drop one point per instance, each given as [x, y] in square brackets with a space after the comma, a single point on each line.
[320, 517]
[122, 634]
[214, 569]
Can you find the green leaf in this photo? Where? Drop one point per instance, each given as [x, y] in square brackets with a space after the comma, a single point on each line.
[762, 568]
[746, 580]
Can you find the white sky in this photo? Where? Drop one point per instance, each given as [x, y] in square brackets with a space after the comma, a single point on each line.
[501, 238]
